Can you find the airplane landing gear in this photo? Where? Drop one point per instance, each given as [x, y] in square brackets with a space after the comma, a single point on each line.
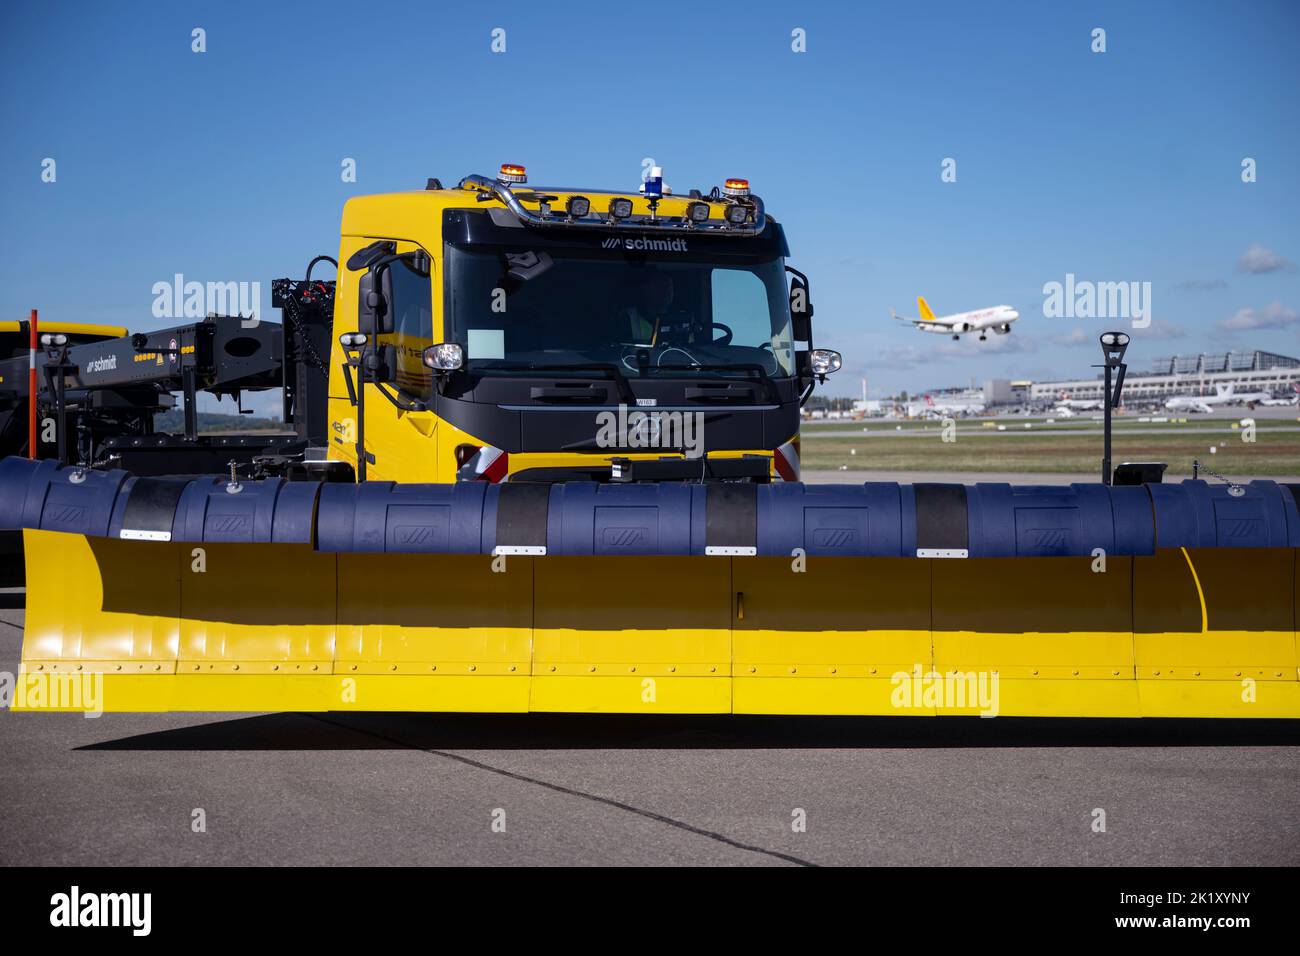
[956, 338]
[984, 338]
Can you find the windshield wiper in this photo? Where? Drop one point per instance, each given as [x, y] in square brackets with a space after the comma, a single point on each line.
[611, 371]
[769, 387]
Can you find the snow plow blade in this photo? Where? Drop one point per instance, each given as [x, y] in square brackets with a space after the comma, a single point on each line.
[143, 594]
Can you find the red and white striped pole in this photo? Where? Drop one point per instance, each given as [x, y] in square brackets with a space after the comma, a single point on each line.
[31, 387]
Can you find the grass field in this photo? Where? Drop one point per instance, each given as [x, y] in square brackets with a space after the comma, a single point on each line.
[919, 446]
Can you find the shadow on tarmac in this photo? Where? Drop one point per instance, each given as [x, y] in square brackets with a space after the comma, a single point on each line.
[370, 731]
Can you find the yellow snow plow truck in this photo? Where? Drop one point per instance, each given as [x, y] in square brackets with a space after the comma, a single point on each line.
[545, 457]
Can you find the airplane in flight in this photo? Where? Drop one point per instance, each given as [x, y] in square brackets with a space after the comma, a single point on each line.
[997, 320]
[1224, 395]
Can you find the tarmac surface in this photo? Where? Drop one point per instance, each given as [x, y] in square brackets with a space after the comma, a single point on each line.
[396, 789]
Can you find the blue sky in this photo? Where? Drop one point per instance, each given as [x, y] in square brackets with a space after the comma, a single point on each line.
[1115, 166]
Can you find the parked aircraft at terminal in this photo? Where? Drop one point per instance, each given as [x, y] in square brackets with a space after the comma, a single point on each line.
[1292, 399]
[946, 409]
[1224, 395]
[1078, 404]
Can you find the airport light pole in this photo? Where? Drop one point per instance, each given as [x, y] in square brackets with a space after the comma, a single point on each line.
[1113, 345]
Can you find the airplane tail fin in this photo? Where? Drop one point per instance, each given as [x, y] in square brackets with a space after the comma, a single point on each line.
[1224, 388]
[927, 315]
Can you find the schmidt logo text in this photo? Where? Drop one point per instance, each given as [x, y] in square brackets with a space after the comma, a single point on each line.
[645, 245]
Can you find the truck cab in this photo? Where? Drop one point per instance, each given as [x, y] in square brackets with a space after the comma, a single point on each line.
[493, 331]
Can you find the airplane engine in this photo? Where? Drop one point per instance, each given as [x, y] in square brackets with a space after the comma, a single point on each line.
[1003, 329]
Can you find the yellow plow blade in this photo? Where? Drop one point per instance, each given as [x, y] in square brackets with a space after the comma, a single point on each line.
[147, 626]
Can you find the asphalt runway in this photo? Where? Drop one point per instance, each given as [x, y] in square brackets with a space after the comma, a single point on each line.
[397, 789]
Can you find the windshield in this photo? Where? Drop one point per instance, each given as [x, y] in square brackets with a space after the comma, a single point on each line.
[512, 307]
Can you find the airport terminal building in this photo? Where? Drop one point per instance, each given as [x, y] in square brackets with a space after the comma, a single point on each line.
[1180, 375]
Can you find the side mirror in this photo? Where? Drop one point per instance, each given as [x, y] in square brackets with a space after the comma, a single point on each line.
[803, 366]
[380, 364]
[801, 308]
[373, 315]
[367, 256]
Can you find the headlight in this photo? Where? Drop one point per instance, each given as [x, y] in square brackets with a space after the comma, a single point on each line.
[736, 215]
[54, 340]
[577, 206]
[697, 212]
[352, 340]
[825, 361]
[620, 208]
[445, 357]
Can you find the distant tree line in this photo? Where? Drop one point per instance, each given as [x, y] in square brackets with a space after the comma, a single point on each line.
[173, 420]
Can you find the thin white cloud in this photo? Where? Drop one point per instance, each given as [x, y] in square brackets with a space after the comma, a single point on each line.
[1160, 330]
[1272, 316]
[1012, 343]
[1076, 336]
[1257, 260]
[907, 356]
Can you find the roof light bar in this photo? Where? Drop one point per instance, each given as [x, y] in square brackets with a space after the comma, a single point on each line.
[619, 213]
[739, 188]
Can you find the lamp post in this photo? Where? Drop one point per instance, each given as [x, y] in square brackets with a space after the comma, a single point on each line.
[1113, 345]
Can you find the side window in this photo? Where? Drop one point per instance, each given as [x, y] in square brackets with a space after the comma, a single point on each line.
[411, 293]
[740, 303]
[756, 310]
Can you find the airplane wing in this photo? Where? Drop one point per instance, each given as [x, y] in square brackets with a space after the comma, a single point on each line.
[916, 323]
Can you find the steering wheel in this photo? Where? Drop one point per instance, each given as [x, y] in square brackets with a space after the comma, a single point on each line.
[726, 334]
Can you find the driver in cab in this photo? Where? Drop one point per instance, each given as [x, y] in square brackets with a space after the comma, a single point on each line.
[650, 320]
